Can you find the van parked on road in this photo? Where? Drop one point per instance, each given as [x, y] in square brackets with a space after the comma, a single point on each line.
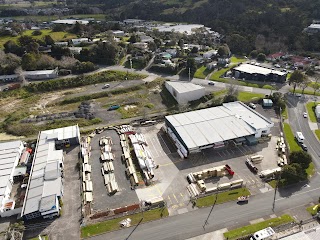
[299, 136]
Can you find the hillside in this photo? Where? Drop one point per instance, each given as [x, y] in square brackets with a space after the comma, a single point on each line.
[272, 25]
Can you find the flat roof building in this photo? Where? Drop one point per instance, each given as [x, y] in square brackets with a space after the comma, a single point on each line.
[45, 186]
[214, 127]
[70, 21]
[41, 74]
[258, 73]
[184, 92]
[10, 153]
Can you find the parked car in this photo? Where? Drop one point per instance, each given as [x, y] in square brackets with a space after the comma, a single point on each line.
[298, 94]
[229, 170]
[304, 147]
[211, 83]
[113, 107]
[305, 115]
[252, 105]
[106, 86]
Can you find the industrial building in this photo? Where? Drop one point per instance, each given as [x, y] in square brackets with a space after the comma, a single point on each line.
[257, 73]
[216, 127]
[41, 74]
[70, 21]
[184, 92]
[45, 185]
[10, 153]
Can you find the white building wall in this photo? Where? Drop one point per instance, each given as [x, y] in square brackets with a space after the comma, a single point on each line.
[12, 212]
[185, 97]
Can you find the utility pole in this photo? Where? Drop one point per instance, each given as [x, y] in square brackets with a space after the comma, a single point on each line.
[206, 222]
[130, 64]
[189, 75]
[275, 192]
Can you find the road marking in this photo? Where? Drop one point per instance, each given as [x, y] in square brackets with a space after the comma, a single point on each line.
[219, 154]
[175, 197]
[169, 199]
[181, 194]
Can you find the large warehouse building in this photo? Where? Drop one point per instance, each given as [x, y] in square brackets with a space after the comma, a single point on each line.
[45, 186]
[215, 127]
[257, 73]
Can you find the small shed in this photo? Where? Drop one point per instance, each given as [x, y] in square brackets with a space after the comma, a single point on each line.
[317, 111]
[267, 102]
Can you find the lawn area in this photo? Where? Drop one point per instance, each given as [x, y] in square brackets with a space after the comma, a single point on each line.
[310, 170]
[202, 72]
[249, 96]
[45, 237]
[310, 110]
[293, 145]
[223, 197]
[234, 59]
[247, 230]
[113, 224]
[285, 113]
[317, 131]
[307, 92]
[57, 36]
[219, 93]
[313, 210]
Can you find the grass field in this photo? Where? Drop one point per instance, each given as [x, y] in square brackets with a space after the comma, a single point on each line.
[310, 170]
[293, 145]
[307, 92]
[57, 36]
[285, 113]
[249, 96]
[247, 230]
[310, 110]
[113, 224]
[202, 72]
[223, 197]
[317, 131]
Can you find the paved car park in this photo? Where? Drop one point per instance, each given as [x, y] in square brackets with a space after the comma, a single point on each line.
[101, 199]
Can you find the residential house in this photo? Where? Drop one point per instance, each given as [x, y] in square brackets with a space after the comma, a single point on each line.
[118, 33]
[172, 52]
[210, 54]
[9, 78]
[61, 44]
[78, 41]
[146, 39]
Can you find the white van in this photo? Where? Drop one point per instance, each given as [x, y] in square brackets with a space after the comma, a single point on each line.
[299, 136]
[263, 234]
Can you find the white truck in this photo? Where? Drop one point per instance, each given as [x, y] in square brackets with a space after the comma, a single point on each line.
[299, 136]
[263, 234]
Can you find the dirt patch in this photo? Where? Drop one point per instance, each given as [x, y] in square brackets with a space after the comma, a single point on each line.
[6, 137]
[127, 107]
[10, 104]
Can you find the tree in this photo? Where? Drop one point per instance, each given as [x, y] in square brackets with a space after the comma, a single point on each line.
[11, 47]
[224, 50]
[194, 50]
[232, 93]
[254, 53]
[152, 46]
[191, 66]
[296, 78]
[261, 57]
[181, 43]
[29, 61]
[32, 47]
[83, 67]
[36, 33]
[306, 82]
[315, 85]
[59, 52]
[48, 40]
[300, 157]
[134, 38]
[24, 40]
[238, 44]
[293, 173]
[77, 28]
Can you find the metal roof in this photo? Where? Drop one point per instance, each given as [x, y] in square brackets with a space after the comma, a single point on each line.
[10, 153]
[45, 178]
[216, 124]
[70, 21]
[183, 87]
[39, 72]
[252, 69]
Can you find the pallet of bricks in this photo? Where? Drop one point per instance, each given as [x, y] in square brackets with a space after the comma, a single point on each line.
[126, 158]
[107, 169]
[86, 170]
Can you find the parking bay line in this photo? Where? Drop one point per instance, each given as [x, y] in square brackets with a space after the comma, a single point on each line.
[175, 197]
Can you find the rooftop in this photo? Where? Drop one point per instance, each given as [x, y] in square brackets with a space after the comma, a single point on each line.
[315, 25]
[183, 87]
[217, 124]
[37, 72]
[70, 21]
[9, 157]
[45, 177]
[183, 28]
[252, 69]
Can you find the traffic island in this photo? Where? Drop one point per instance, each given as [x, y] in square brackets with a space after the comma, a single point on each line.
[114, 224]
[250, 229]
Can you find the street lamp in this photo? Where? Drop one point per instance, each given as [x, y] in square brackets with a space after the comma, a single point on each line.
[189, 75]
[130, 60]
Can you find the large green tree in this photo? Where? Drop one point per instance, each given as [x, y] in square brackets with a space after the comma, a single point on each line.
[301, 157]
[296, 78]
[191, 66]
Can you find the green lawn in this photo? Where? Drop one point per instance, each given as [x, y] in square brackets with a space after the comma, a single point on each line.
[231, 195]
[285, 113]
[313, 210]
[113, 224]
[219, 93]
[237, 60]
[201, 72]
[57, 36]
[311, 113]
[317, 131]
[310, 170]
[307, 92]
[293, 145]
[247, 230]
[249, 96]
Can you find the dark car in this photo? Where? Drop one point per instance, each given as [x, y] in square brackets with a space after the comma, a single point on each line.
[113, 107]
[304, 147]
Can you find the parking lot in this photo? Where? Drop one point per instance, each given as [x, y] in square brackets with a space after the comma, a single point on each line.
[170, 178]
[101, 199]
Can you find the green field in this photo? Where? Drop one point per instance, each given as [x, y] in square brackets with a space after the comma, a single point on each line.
[285, 113]
[223, 197]
[247, 230]
[313, 210]
[310, 110]
[202, 72]
[249, 96]
[317, 131]
[57, 36]
[293, 145]
[113, 224]
[310, 170]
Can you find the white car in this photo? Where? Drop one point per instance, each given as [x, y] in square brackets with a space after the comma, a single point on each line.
[252, 105]
[305, 115]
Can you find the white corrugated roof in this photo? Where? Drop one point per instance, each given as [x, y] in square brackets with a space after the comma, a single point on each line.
[44, 181]
[182, 87]
[216, 124]
[252, 69]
